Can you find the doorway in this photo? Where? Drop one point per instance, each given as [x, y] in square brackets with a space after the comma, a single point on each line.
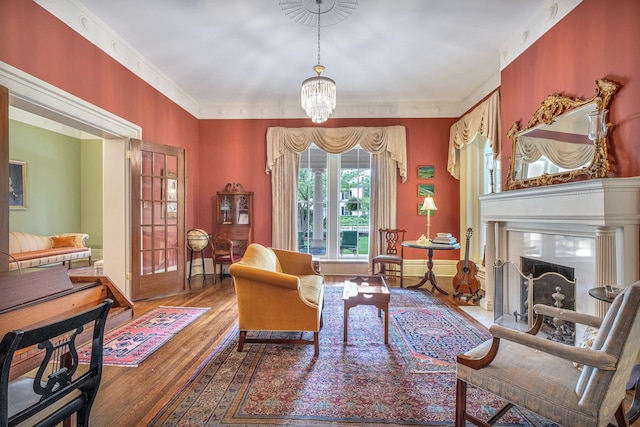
[35, 96]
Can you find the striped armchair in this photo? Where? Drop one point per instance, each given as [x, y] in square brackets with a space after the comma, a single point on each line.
[535, 373]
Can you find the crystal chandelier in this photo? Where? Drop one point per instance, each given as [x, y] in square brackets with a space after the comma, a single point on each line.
[318, 96]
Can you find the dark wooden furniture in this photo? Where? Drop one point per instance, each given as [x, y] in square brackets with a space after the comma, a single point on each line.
[45, 295]
[235, 218]
[429, 275]
[60, 387]
[391, 253]
[366, 290]
[223, 254]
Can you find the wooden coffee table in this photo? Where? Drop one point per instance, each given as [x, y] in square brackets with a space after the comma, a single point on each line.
[367, 290]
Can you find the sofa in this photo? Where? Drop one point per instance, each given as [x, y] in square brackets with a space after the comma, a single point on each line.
[31, 250]
[277, 290]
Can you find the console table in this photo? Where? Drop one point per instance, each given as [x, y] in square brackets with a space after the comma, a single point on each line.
[429, 275]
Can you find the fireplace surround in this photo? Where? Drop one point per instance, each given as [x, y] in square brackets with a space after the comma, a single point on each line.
[590, 226]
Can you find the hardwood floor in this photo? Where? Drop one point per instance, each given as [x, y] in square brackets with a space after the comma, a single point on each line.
[133, 396]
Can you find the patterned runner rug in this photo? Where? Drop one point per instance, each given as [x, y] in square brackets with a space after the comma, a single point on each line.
[132, 343]
[410, 381]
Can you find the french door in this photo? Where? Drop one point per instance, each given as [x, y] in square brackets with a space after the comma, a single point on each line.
[157, 219]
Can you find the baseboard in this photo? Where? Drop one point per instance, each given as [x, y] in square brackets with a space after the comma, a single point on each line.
[412, 267]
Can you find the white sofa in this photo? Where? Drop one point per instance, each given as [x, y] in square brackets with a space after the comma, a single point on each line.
[31, 250]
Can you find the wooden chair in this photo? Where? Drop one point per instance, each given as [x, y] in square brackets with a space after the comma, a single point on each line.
[349, 241]
[391, 253]
[61, 387]
[530, 371]
[222, 253]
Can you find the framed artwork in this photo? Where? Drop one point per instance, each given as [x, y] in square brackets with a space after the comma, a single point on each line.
[426, 172]
[243, 218]
[423, 213]
[425, 190]
[17, 184]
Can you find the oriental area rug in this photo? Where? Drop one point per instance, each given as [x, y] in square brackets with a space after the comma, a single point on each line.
[410, 381]
[132, 343]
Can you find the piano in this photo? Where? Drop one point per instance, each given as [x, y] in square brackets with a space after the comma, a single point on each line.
[42, 295]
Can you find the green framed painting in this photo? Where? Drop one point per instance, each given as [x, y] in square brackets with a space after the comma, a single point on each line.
[426, 172]
[423, 213]
[425, 190]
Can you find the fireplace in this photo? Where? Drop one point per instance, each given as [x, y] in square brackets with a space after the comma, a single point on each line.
[590, 227]
[541, 282]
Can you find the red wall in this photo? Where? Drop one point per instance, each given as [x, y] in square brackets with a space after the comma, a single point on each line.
[37, 43]
[218, 151]
[597, 39]
[235, 151]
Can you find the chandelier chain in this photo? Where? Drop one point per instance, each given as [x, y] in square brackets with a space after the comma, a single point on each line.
[319, 31]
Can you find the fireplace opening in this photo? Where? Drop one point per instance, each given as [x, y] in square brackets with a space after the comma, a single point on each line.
[554, 285]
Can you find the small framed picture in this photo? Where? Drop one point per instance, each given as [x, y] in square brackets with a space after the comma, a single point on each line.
[426, 172]
[243, 218]
[425, 190]
[423, 213]
[17, 184]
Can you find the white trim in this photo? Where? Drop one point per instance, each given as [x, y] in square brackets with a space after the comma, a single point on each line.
[31, 94]
[35, 96]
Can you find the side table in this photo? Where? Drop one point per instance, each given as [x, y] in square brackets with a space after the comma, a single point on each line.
[429, 275]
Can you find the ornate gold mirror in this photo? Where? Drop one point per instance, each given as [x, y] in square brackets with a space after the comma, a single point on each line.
[565, 140]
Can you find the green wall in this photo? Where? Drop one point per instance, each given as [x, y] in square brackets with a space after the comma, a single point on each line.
[64, 183]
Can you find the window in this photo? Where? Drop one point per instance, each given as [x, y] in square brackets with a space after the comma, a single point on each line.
[476, 181]
[333, 203]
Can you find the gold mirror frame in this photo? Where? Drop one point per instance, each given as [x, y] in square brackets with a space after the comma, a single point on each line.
[549, 111]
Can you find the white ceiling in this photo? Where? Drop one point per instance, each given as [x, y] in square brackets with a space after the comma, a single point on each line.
[247, 58]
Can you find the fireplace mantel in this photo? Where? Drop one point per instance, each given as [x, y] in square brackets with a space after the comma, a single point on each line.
[599, 203]
[606, 209]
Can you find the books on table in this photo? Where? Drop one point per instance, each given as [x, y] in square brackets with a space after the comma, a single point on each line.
[444, 239]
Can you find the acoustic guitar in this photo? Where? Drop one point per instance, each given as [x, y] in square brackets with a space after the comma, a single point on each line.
[466, 280]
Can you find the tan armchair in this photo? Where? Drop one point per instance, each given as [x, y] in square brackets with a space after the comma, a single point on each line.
[277, 290]
[535, 373]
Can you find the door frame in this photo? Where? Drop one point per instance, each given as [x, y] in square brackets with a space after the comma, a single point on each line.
[36, 96]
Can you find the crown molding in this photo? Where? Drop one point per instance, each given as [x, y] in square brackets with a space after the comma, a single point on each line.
[85, 23]
[548, 16]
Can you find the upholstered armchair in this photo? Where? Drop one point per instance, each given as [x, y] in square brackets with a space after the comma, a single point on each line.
[277, 290]
[530, 371]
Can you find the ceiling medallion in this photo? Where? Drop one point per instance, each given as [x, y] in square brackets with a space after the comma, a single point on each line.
[305, 12]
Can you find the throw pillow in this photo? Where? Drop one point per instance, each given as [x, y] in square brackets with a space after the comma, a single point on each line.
[63, 242]
[588, 338]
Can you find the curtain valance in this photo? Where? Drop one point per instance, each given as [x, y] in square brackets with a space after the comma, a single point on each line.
[376, 140]
[483, 120]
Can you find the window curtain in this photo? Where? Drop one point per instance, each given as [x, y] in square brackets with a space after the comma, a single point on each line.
[387, 146]
[483, 120]
[468, 139]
